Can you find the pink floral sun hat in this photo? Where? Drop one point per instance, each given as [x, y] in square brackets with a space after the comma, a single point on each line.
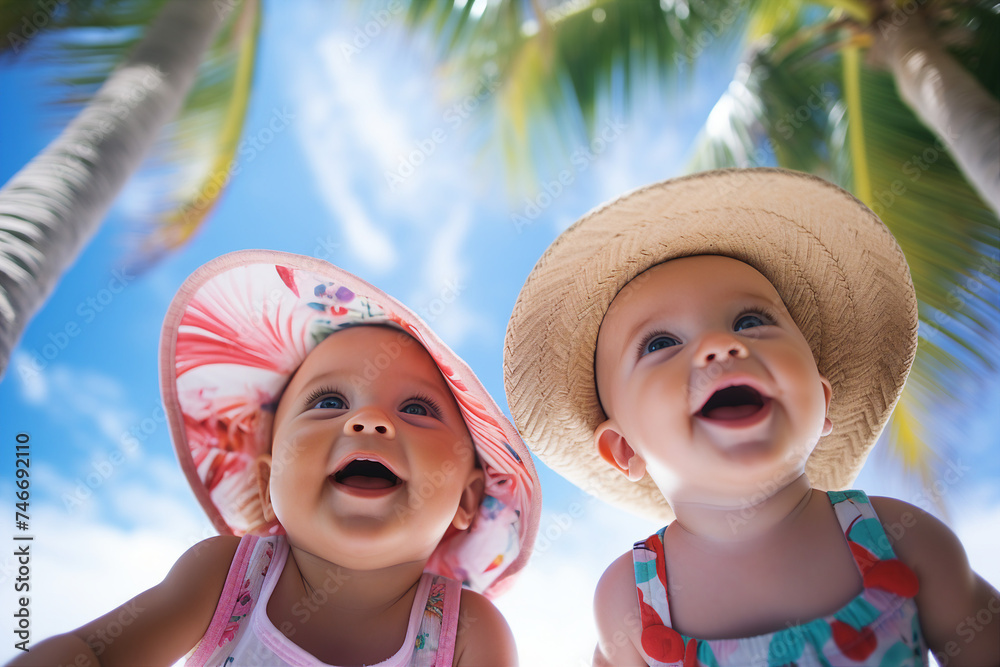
[235, 333]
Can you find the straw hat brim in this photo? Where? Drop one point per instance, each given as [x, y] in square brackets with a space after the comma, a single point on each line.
[838, 269]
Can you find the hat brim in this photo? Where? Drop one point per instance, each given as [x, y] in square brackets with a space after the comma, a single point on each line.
[838, 269]
[235, 333]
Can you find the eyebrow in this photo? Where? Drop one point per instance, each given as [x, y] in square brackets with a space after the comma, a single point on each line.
[337, 377]
[738, 295]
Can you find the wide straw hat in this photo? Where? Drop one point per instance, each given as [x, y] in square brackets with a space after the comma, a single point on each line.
[235, 333]
[837, 268]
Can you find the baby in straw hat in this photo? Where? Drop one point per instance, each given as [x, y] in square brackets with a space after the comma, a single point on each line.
[721, 352]
[377, 487]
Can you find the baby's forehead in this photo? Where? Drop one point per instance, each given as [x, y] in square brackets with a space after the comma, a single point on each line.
[697, 273]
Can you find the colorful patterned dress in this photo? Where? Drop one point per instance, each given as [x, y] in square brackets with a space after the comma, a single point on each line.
[878, 628]
[241, 633]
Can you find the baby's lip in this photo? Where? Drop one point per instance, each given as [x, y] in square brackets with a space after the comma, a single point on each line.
[366, 456]
[751, 384]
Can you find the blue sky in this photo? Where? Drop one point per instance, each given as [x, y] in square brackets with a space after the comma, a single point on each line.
[110, 508]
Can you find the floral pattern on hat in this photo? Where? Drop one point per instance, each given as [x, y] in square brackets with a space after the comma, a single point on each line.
[234, 335]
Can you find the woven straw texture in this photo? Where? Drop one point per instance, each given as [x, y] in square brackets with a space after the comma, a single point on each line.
[836, 266]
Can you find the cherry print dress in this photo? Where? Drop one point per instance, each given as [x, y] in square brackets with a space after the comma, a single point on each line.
[878, 628]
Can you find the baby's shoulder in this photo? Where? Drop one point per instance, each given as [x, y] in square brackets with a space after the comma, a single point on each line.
[483, 637]
[616, 587]
[201, 571]
[208, 557]
[616, 611]
[919, 539]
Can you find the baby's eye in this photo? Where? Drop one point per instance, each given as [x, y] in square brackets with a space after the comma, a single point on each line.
[414, 409]
[330, 403]
[751, 320]
[422, 406]
[658, 343]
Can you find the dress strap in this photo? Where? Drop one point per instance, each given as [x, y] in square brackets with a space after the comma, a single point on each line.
[228, 601]
[663, 644]
[448, 619]
[870, 545]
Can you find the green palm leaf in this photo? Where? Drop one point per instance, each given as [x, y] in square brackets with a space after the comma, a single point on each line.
[89, 39]
[794, 106]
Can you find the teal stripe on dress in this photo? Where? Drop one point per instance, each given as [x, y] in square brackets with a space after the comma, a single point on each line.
[786, 647]
[898, 655]
[869, 534]
[706, 657]
[645, 571]
[858, 613]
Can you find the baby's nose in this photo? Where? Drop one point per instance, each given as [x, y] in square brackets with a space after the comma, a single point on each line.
[370, 421]
[719, 347]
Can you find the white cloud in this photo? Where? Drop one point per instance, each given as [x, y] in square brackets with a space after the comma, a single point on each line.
[33, 382]
[82, 567]
[550, 608]
[442, 299]
[344, 113]
[64, 393]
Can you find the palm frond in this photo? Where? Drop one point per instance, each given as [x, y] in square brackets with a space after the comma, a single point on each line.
[90, 38]
[770, 115]
[213, 131]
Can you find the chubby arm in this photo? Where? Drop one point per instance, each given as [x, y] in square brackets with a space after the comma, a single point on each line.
[484, 638]
[959, 611]
[156, 627]
[616, 609]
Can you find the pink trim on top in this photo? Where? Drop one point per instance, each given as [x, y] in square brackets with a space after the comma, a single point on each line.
[227, 602]
[449, 624]
[293, 654]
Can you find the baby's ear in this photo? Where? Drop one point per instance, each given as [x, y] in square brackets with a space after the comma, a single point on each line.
[828, 394]
[614, 448]
[262, 469]
[472, 496]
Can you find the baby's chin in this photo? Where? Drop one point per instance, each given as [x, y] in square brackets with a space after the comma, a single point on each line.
[736, 486]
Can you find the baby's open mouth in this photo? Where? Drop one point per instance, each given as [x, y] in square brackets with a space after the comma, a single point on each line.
[364, 474]
[731, 403]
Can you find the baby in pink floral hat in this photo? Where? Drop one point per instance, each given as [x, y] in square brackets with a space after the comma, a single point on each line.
[371, 495]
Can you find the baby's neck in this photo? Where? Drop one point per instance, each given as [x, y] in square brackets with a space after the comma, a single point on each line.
[741, 523]
[358, 593]
[340, 615]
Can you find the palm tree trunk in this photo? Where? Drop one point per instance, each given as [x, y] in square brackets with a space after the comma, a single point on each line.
[55, 204]
[948, 100]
